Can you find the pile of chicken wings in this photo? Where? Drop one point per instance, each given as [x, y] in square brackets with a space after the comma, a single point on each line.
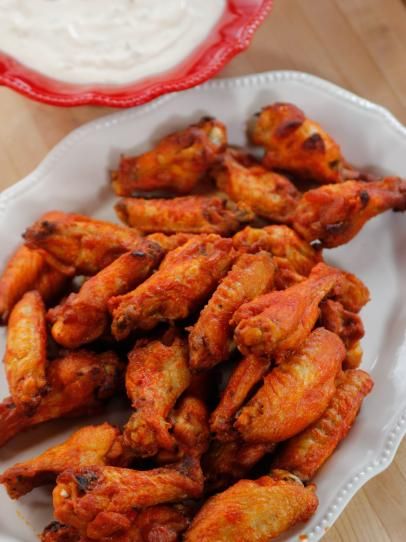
[213, 310]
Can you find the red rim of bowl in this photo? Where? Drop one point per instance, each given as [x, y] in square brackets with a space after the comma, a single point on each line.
[232, 35]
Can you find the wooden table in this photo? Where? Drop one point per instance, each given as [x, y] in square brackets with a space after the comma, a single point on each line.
[359, 44]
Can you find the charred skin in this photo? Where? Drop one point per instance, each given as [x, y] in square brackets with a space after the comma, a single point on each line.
[104, 501]
[58, 532]
[77, 244]
[279, 322]
[288, 249]
[295, 393]
[247, 373]
[268, 194]
[298, 145]
[184, 281]
[334, 214]
[177, 163]
[254, 510]
[78, 384]
[27, 270]
[189, 214]
[83, 316]
[92, 445]
[25, 358]
[305, 454]
[157, 374]
[210, 340]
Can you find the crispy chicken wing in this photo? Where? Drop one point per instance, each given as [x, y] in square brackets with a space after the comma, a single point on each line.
[227, 462]
[288, 249]
[78, 244]
[254, 510]
[306, 453]
[185, 279]
[157, 375]
[78, 384]
[103, 501]
[188, 214]
[334, 214]
[296, 144]
[295, 393]
[177, 163]
[280, 321]
[268, 194]
[83, 316]
[247, 373]
[25, 357]
[210, 340]
[92, 445]
[27, 270]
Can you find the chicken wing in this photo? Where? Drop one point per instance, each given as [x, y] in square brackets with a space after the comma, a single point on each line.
[287, 248]
[103, 501]
[25, 357]
[185, 279]
[77, 244]
[248, 372]
[268, 194]
[295, 393]
[188, 214]
[307, 452]
[83, 316]
[92, 445]
[296, 144]
[78, 384]
[254, 510]
[334, 214]
[227, 462]
[177, 163]
[157, 375]
[27, 270]
[210, 340]
[278, 322]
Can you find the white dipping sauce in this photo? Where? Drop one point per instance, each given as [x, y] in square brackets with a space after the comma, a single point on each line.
[104, 41]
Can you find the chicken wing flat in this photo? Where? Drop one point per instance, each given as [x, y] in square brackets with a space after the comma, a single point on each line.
[25, 358]
[92, 445]
[295, 393]
[268, 194]
[188, 214]
[77, 244]
[334, 214]
[177, 163]
[157, 374]
[288, 249]
[254, 510]
[78, 384]
[248, 372]
[280, 321]
[307, 452]
[27, 270]
[83, 316]
[104, 501]
[298, 145]
[185, 279]
[210, 340]
[227, 462]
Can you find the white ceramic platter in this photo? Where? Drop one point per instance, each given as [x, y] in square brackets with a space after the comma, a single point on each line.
[74, 177]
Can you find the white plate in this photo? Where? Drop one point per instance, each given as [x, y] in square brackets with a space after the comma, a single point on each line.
[74, 178]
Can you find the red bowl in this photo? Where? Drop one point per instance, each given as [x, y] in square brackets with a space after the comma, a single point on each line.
[231, 35]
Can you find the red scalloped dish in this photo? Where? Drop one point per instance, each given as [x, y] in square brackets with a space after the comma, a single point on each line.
[232, 34]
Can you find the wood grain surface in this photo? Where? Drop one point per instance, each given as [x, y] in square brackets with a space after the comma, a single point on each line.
[358, 44]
